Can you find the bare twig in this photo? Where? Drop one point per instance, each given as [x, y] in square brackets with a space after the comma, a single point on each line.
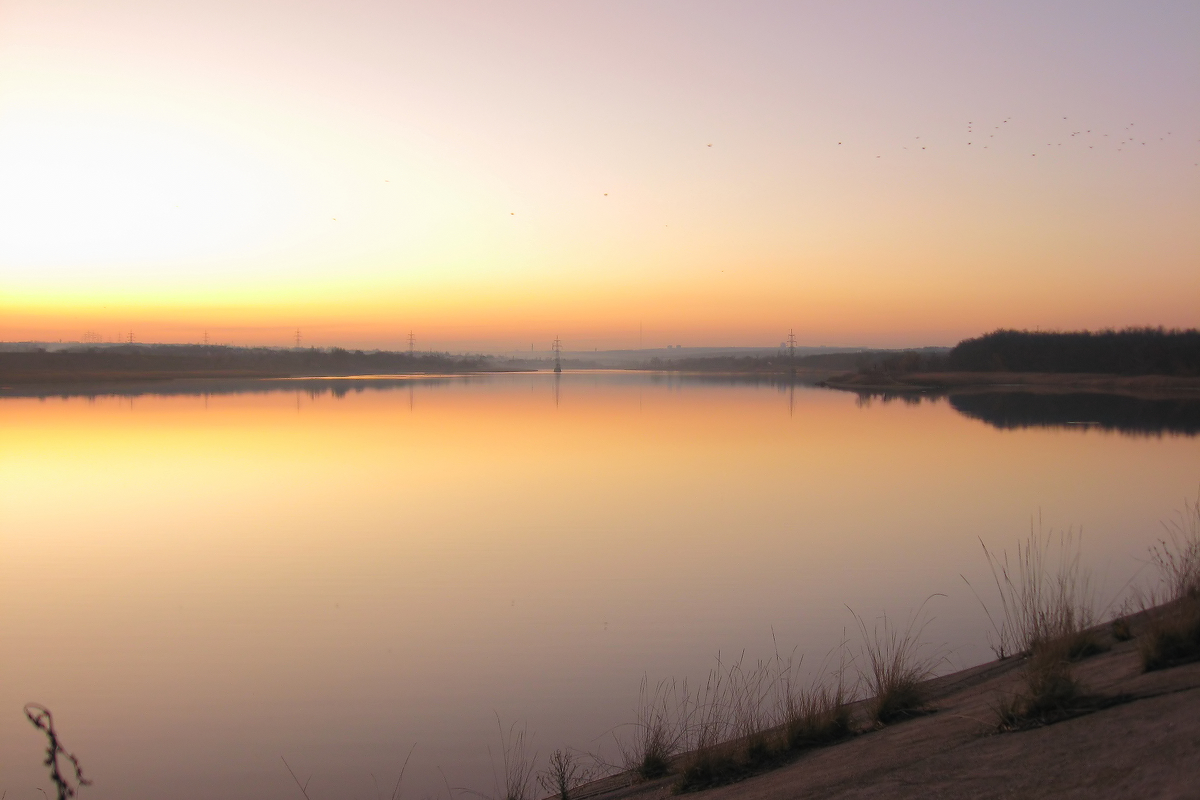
[41, 718]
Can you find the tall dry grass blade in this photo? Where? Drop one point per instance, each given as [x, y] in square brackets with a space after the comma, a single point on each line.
[517, 763]
[403, 768]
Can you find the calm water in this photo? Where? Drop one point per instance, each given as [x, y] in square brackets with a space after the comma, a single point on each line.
[198, 584]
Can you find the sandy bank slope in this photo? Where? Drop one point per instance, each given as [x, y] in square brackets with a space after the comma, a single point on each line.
[1147, 745]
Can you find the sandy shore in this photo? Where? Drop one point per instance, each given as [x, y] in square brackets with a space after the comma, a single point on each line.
[1140, 740]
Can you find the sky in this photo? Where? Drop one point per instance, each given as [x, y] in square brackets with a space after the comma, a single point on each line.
[492, 175]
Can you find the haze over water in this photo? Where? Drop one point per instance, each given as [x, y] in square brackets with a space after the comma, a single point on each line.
[200, 583]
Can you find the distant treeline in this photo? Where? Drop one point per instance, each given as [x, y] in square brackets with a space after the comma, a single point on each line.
[1132, 351]
[137, 361]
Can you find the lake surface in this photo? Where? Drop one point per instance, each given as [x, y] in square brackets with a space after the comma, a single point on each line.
[201, 580]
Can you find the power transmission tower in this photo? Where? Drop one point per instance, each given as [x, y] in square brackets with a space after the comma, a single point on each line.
[557, 346]
[792, 345]
[206, 338]
[297, 338]
[411, 342]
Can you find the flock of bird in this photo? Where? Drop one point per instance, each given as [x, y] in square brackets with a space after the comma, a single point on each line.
[992, 135]
[986, 137]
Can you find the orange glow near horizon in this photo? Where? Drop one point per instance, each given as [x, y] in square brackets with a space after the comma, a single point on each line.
[489, 177]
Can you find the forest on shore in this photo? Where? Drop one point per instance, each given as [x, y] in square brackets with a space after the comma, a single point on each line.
[1130, 351]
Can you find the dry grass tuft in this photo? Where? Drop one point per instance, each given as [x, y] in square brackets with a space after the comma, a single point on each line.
[818, 717]
[658, 733]
[517, 763]
[815, 713]
[750, 718]
[1050, 689]
[1177, 557]
[728, 731]
[1045, 596]
[1172, 633]
[898, 668]
[1121, 630]
[1048, 618]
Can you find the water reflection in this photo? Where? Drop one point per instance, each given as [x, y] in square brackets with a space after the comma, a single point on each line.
[199, 578]
[1015, 410]
[1122, 413]
[1006, 410]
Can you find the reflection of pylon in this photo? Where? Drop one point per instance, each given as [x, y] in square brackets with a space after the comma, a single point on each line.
[557, 354]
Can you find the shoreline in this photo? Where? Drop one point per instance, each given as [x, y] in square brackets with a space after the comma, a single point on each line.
[1127, 741]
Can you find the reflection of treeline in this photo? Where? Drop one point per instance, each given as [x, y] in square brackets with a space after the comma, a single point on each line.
[1132, 351]
[149, 360]
[1130, 415]
[1011, 410]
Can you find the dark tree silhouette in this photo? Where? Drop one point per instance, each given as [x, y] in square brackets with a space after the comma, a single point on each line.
[1132, 351]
